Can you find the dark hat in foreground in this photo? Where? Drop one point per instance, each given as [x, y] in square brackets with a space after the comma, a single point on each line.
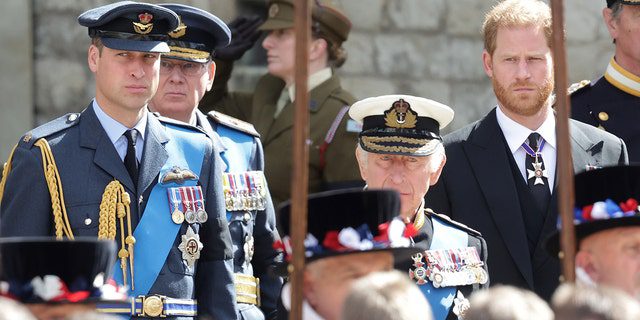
[132, 26]
[42, 269]
[605, 198]
[400, 124]
[198, 34]
[328, 20]
[632, 2]
[346, 222]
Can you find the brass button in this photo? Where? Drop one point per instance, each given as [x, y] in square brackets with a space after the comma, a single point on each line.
[603, 116]
[72, 117]
[247, 217]
[87, 221]
[152, 306]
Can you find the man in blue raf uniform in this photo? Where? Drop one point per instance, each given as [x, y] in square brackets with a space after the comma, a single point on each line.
[186, 73]
[400, 148]
[611, 102]
[116, 171]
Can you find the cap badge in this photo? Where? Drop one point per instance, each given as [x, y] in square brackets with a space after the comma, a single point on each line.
[180, 30]
[400, 115]
[143, 27]
[273, 10]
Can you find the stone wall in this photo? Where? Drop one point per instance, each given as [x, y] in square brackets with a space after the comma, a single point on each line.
[430, 48]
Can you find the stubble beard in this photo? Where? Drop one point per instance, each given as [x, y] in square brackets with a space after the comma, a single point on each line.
[520, 104]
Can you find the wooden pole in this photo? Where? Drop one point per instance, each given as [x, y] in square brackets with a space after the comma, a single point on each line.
[564, 166]
[300, 176]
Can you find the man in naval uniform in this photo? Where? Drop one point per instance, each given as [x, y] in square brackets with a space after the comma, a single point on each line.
[116, 171]
[347, 238]
[186, 73]
[607, 227]
[400, 148]
[612, 102]
[500, 172]
[270, 107]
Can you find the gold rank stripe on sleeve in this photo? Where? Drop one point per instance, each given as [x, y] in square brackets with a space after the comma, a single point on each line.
[622, 79]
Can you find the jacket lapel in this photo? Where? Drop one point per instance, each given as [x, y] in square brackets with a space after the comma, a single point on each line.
[154, 154]
[93, 136]
[488, 159]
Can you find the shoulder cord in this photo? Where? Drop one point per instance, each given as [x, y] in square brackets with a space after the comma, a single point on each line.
[60, 217]
[116, 203]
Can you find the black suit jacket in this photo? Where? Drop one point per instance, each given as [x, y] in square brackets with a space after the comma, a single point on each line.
[477, 188]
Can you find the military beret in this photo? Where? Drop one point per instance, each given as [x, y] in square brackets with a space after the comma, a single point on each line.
[400, 124]
[356, 214]
[632, 2]
[198, 34]
[328, 20]
[604, 198]
[42, 269]
[129, 25]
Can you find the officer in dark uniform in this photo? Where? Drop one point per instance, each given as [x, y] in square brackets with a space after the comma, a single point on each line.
[347, 238]
[116, 171]
[59, 279]
[400, 148]
[270, 109]
[612, 102]
[249, 208]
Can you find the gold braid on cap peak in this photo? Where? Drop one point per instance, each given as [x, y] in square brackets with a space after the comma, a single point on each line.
[52, 176]
[187, 53]
[117, 203]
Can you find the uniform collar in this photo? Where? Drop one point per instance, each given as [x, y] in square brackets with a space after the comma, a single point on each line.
[115, 129]
[622, 79]
[515, 134]
[314, 80]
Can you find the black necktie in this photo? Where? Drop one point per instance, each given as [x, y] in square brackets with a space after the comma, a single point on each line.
[536, 173]
[130, 160]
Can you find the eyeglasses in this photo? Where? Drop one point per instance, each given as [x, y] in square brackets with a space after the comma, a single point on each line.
[190, 69]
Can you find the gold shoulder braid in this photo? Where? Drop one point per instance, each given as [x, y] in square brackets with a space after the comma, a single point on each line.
[5, 171]
[116, 203]
[60, 217]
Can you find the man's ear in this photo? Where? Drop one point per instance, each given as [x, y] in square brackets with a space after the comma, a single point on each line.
[362, 164]
[93, 56]
[586, 261]
[611, 22]
[487, 63]
[212, 75]
[436, 174]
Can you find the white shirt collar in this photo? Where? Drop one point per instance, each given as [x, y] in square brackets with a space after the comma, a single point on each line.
[314, 80]
[516, 134]
[115, 129]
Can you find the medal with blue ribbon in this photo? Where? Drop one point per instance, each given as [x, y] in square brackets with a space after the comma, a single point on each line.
[538, 172]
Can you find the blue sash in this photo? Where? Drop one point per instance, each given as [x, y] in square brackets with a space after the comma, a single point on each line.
[444, 237]
[156, 232]
[239, 147]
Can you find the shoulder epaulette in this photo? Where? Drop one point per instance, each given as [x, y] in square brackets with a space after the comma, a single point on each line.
[234, 123]
[578, 86]
[49, 128]
[176, 122]
[344, 96]
[448, 220]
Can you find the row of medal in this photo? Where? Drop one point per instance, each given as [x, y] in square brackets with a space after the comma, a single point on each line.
[244, 191]
[448, 267]
[187, 204]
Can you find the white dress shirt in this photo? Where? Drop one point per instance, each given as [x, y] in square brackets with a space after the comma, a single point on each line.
[115, 131]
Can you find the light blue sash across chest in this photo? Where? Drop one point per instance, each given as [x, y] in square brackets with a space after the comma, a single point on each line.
[444, 237]
[156, 232]
[239, 147]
